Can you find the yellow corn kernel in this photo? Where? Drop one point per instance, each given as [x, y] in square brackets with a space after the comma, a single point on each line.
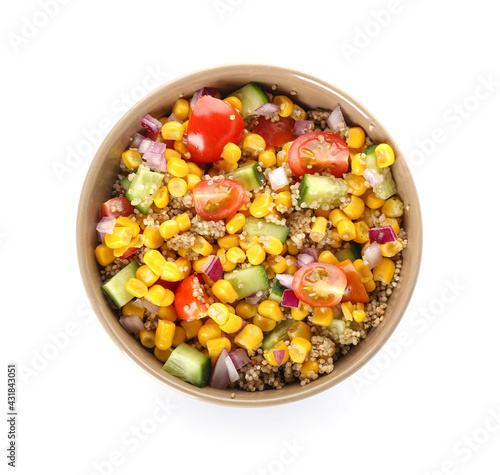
[181, 147]
[357, 184]
[393, 208]
[385, 155]
[277, 264]
[264, 323]
[179, 336]
[361, 232]
[191, 328]
[219, 313]
[228, 241]
[285, 105]
[299, 349]
[172, 130]
[267, 158]
[146, 275]
[169, 229]
[181, 109]
[177, 167]
[228, 266]
[322, 212]
[390, 249]
[147, 338]
[156, 293]
[231, 153]
[177, 187]
[215, 347]
[254, 143]
[300, 313]
[235, 223]
[318, 229]
[270, 309]
[355, 208]
[256, 255]
[168, 299]
[104, 255]
[373, 202]
[136, 287]
[233, 324]
[202, 246]
[224, 291]
[301, 329]
[184, 222]
[290, 262]
[336, 215]
[284, 198]
[164, 334]
[327, 257]
[225, 166]
[356, 137]
[358, 165]
[245, 310]
[136, 242]
[269, 355]
[392, 222]
[292, 247]
[155, 261]
[363, 270]
[171, 272]
[186, 123]
[162, 198]
[309, 369]
[298, 113]
[195, 169]
[250, 337]
[370, 286]
[171, 153]
[359, 315]
[132, 158]
[120, 237]
[152, 237]
[124, 222]
[162, 355]
[167, 313]
[233, 101]
[184, 266]
[322, 316]
[346, 229]
[384, 271]
[260, 206]
[248, 241]
[208, 331]
[192, 181]
[134, 307]
[272, 245]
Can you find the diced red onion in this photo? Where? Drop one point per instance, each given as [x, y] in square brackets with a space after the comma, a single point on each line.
[239, 357]
[290, 299]
[312, 252]
[382, 235]
[373, 178]
[157, 147]
[267, 110]
[278, 178]
[285, 280]
[150, 307]
[231, 369]
[336, 118]
[172, 118]
[144, 145]
[106, 225]
[253, 299]
[212, 268]
[303, 259]
[220, 373]
[302, 127]
[101, 236]
[373, 254]
[156, 161]
[204, 91]
[137, 138]
[131, 323]
[151, 123]
[279, 356]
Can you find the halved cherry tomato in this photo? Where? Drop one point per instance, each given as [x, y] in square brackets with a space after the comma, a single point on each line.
[275, 133]
[117, 207]
[168, 285]
[319, 152]
[355, 290]
[319, 285]
[218, 199]
[212, 125]
[187, 305]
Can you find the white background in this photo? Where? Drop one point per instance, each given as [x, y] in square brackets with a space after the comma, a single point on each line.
[422, 406]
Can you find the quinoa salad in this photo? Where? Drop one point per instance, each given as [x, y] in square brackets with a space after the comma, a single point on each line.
[249, 242]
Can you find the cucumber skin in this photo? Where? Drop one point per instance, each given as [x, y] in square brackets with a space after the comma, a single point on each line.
[268, 229]
[131, 190]
[279, 333]
[236, 278]
[119, 302]
[351, 253]
[338, 186]
[388, 187]
[239, 175]
[254, 90]
[276, 293]
[175, 365]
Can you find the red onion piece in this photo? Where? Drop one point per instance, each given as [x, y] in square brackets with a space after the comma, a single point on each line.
[157, 147]
[373, 254]
[239, 357]
[152, 124]
[312, 252]
[278, 178]
[285, 280]
[172, 118]
[101, 236]
[106, 225]
[220, 373]
[382, 235]
[144, 146]
[212, 268]
[156, 161]
[231, 369]
[267, 110]
[131, 323]
[279, 356]
[373, 178]
[302, 127]
[204, 91]
[136, 140]
[290, 299]
[150, 307]
[303, 259]
[336, 119]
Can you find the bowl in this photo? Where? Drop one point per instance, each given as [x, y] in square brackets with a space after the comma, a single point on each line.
[311, 92]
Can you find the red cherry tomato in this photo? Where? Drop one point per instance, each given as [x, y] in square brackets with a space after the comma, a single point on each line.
[277, 133]
[319, 285]
[187, 305]
[218, 199]
[211, 126]
[129, 252]
[321, 151]
[117, 207]
[355, 290]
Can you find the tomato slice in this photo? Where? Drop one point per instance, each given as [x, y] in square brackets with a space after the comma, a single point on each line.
[187, 305]
[319, 284]
[211, 126]
[117, 207]
[218, 199]
[355, 290]
[319, 152]
[277, 133]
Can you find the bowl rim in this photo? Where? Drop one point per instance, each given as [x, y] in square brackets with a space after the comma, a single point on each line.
[266, 397]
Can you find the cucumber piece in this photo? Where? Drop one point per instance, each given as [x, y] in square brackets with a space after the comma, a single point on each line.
[318, 190]
[337, 326]
[190, 365]
[248, 281]
[388, 187]
[115, 287]
[249, 176]
[260, 227]
[145, 187]
[252, 97]
[279, 333]
[126, 183]
[351, 253]
[276, 293]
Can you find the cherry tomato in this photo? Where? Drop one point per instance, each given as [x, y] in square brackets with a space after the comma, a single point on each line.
[319, 285]
[355, 290]
[186, 303]
[277, 133]
[117, 207]
[212, 125]
[321, 151]
[218, 199]
[129, 252]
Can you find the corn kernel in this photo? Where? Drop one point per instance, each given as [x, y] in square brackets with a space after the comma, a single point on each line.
[192, 181]
[134, 307]
[385, 155]
[228, 266]
[219, 313]
[336, 215]
[370, 286]
[224, 291]
[208, 331]
[356, 137]
[181, 109]
[248, 241]
[233, 324]
[292, 247]
[147, 338]
[355, 208]
[104, 255]
[184, 266]
[254, 143]
[292, 268]
[156, 293]
[357, 184]
[264, 323]
[272, 245]
[285, 105]
[184, 222]
[177, 187]
[177, 167]
[277, 264]
[236, 223]
[225, 167]
[392, 222]
[146, 275]
[152, 237]
[191, 328]
[299, 349]
[162, 198]
[136, 287]
[301, 329]
[171, 272]
[162, 355]
[202, 246]
[269, 355]
[245, 310]
[322, 316]
[318, 229]
[179, 336]
[267, 158]
[231, 153]
[233, 101]
[256, 255]
[215, 347]
[120, 237]
[300, 313]
[359, 315]
[298, 113]
[346, 229]
[384, 271]
[309, 369]
[132, 158]
[171, 153]
[195, 169]
[393, 207]
[270, 309]
[260, 206]
[228, 241]
[167, 312]
[358, 165]
[361, 232]
[363, 270]
[373, 202]
[172, 130]
[284, 198]
[164, 334]
[390, 249]
[169, 229]
[327, 257]
[249, 337]
[155, 261]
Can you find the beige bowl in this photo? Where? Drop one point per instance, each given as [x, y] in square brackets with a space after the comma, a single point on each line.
[311, 92]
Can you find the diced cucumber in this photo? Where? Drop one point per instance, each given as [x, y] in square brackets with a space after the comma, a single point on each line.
[276, 293]
[249, 176]
[260, 227]
[115, 287]
[189, 364]
[126, 183]
[352, 252]
[337, 327]
[279, 333]
[252, 97]
[388, 187]
[145, 187]
[248, 281]
[318, 190]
